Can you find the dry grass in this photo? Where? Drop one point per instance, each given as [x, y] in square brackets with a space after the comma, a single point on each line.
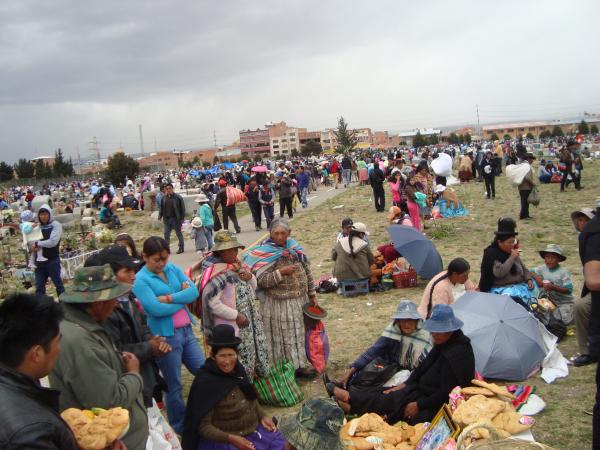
[354, 323]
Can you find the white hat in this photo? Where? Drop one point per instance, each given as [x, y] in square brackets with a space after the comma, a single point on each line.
[196, 222]
[360, 227]
[440, 188]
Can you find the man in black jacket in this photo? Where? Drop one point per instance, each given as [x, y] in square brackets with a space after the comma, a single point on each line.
[376, 178]
[29, 346]
[172, 212]
[127, 324]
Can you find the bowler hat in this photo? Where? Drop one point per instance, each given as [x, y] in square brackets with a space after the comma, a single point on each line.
[406, 310]
[442, 320]
[223, 335]
[506, 227]
[94, 284]
[315, 427]
[553, 248]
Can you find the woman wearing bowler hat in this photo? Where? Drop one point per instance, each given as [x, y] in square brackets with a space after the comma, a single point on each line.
[450, 363]
[222, 410]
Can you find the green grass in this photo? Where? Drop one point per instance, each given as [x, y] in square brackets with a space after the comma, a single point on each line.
[354, 323]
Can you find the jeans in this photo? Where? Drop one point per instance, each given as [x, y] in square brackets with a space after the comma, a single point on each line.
[379, 197]
[256, 213]
[524, 204]
[269, 212]
[208, 232]
[48, 269]
[187, 351]
[286, 203]
[490, 186]
[229, 213]
[303, 195]
[346, 176]
[171, 224]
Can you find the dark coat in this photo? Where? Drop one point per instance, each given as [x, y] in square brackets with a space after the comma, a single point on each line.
[446, 366]
[129, 331]
[377, 177]
[29, 415]
[179, 207]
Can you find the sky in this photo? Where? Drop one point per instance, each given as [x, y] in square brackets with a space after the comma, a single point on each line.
[191, 72]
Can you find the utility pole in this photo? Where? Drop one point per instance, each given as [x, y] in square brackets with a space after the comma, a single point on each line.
[141, 140]
[78, 161]
[215, 137]
[478, 127]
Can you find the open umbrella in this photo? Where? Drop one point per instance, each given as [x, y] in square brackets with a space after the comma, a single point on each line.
[417, 249]
[259, 169]
[506, 339]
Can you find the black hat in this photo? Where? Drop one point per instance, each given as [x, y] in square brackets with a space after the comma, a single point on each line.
[506, 227]
[117, 254]
[223, 335]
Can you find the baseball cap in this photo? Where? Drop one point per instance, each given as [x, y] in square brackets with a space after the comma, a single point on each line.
[117, 254]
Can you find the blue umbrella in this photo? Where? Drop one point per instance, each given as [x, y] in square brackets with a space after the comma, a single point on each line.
[505, 337]
[418, 250]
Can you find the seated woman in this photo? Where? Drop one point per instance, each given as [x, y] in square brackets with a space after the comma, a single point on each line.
[446, 286]
[228, 298]
[108, 217]
[352, 255]
[448, 203]
[450, 363]
[404, 341]
[502, 271]
[222, 411]
[465, 173]
[544, 175]
[399, 217]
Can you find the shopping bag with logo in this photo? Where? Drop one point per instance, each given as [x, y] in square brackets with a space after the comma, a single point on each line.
[280, 387]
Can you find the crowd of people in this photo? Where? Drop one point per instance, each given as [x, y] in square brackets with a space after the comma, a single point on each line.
[124, 328]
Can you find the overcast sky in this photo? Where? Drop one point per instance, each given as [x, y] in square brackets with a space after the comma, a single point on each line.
[76, 69]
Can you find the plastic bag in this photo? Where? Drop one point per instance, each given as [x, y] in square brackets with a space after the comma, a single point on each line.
[317, 346]
[516, 173]
[160, 434]
[534, 197]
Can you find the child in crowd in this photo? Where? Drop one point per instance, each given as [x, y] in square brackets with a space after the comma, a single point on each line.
[205, 212]
[266, 197]
[199, 236]
[556, 283]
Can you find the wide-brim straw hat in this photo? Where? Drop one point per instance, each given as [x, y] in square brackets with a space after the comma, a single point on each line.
[224, 240]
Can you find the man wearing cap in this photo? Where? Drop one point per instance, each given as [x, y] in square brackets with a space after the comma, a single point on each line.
[89, 371]
[127, 324]
[526, 187]
[583, 306]
[228, 211]
[172, 212]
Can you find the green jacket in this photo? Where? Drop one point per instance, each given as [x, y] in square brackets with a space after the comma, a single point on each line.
[89, 373]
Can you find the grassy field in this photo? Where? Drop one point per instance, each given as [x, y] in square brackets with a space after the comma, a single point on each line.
[354, 323]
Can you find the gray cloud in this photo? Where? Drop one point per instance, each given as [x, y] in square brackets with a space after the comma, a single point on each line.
[73, 70]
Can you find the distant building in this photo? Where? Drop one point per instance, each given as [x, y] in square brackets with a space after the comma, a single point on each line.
[255, 143]
[308, 136]
[408, 136]
[166, 160]
[285, 140]
[328, 140]
[520, 129]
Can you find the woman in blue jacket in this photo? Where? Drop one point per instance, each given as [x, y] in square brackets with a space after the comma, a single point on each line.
[164, 290]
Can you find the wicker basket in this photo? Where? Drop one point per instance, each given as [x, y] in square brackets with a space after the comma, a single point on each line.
[495, 441]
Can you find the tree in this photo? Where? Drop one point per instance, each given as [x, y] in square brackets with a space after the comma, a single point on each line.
[216, 160]
[494, 137]
[529, 135]
[6, 172]
[433, 139]
[461, 139]
[295, 153]
[69, 171]
[467, 138]
[583, 128]
[60, 166]
[453, 138]
[42, 170]
[506, 137]
[594, 129]
[120, 166]
[545, 134]
[419, 140]
[311, 148]
[346, 138]
[24, 168]
[557, 131]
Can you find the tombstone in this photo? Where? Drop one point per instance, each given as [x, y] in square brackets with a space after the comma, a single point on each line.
[150, 201]
[40, 200]
[190, 204]
[77, 211]
[87, 223]
[65, 218]
[88, 212]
